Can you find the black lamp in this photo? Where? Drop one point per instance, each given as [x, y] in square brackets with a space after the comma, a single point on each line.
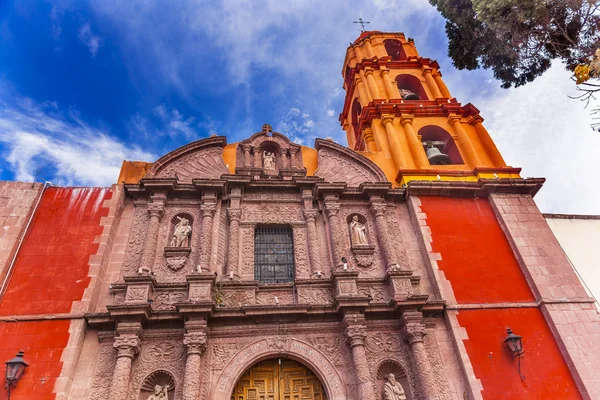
[15, 368]
[514, 343]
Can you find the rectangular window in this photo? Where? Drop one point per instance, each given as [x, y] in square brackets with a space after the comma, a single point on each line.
[273, 254]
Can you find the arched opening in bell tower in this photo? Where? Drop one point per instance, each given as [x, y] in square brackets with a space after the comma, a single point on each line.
[434, 136]
[408, 84]
[394, 49]
[278, 378]
[356, 111]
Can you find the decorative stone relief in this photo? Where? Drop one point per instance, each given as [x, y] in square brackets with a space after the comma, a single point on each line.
[223, 353]
[136, 294]
[386, 342]
[378, 294]
[265, 213]
[167, 300]
[238, 298]
[316, 296]
[274, 298]
[247, 233]
[135, 245]
[328, 346]
[162, 352]
[200, 164]
[177, 261]
[301, 253]
[437, 365]
[104, 373]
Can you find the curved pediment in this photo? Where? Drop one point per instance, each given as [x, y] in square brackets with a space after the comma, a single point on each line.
[202, 159]
[340, 164]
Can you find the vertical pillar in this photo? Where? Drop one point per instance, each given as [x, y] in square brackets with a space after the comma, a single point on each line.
[293, 161]
[433, 87]
[310, 215]
[283, 159]
[391, 90]
[369, 48]
[234, 241]
[363, 95]
[464, 141]
[195, 342]
[257, 157]
[208, 209]
[247, 160]
[332, 208]
[487, 142]
[369, 139]
[414, 331]
[127, 345]
[372, 84]
[356, 334]
[378, 207]
[415, 145]
[358, 53]
[437, 76]
[395, 148]
[156, 209]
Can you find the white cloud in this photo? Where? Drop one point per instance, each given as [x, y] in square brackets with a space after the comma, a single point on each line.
[89, 39]
[40, 141]
[330, 113]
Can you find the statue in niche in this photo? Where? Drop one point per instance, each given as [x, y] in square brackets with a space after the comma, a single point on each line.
[358, 232]
[268, 160]
[182, 232]
[160, 393]
[393, 390]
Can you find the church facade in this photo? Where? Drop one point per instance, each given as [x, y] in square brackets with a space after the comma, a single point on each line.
[389, 269]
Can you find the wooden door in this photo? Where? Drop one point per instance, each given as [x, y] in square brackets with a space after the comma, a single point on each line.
[279, 380]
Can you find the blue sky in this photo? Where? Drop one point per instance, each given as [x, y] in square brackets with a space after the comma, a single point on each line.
[84, 85]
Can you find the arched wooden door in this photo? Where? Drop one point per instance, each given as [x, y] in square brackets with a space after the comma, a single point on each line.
[279, 379]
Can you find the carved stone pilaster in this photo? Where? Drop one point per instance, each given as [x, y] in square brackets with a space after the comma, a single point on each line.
[208, 212]
[332, 209]
[283, 161]
[195, 342]
[247, 160]
[378, 211]
[413, 331]
[356, 333]
[156, 209]
[293, 163]
[127, 345]
[257, 157]
[313, 240]
[234, 241]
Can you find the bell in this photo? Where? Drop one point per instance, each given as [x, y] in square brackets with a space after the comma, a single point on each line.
[408, 95]
[435, 156]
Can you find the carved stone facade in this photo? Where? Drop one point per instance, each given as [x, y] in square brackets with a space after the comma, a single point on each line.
[189, 317]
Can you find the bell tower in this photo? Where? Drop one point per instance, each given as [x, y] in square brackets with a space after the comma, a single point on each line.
[399, 113]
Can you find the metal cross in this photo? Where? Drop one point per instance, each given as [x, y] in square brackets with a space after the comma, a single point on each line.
[362, 23]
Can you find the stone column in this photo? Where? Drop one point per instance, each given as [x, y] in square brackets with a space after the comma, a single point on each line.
[392, 136]
[156, 209]
[433, 87]
[487, 142]
[355, 336]
[257, 157]
[234, 241]
[464, 141]
[437, 76]
[369, 139]
[293, 161]
[378, 207]
[208, 212]
[332, 208]
[127, 345]
[369, 49]
[365, 85]
[416, 147]
[283, 159]
[358, 53]
[363, 95]
[313, 241]
[195, 343]
[247, 159]
[372, 84]
[413, 331]
[390, 88]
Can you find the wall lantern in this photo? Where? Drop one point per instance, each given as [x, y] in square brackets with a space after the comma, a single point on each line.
[514, 343]
[15, 368]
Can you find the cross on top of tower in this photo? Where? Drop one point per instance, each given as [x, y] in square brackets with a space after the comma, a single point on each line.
[362, 23]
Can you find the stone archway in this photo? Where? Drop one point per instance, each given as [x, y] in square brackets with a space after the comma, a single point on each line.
[285, 348]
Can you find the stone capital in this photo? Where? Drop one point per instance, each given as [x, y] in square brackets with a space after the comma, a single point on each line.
[293, 150]
[427, 70]
[385, 118]
[356, 335]
[310, 215]
[332, 209]
[156, 209]
[283, 152]
[195, 342]
[127, 345]
[413, 328]
[246, 148]
[368, 135]
[384, 71]
[234, 214]
[454, 118]
[368, 71]
[475, 119]
[378, 208]
[407, 119]
[208, 209]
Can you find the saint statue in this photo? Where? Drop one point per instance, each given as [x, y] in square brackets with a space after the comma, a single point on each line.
[160, 393]
[393, 390]
[358, 232]
[268, 160]
[182, 233]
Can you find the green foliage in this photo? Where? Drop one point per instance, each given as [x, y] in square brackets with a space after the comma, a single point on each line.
[518, 39]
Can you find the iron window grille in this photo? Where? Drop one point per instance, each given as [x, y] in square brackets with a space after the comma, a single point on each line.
[273, 254]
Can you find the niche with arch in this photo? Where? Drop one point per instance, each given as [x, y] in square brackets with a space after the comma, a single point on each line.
[179, 222]
[356, 112]
[394, 49]
[441, 140]
[393, 367]
[363, 252]
[161, 378]
[410, 83]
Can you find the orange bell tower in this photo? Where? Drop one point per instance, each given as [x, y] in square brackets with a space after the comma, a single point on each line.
[399, 113]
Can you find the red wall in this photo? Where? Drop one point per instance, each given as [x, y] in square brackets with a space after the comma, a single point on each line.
[50, 273]
[481, 267]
